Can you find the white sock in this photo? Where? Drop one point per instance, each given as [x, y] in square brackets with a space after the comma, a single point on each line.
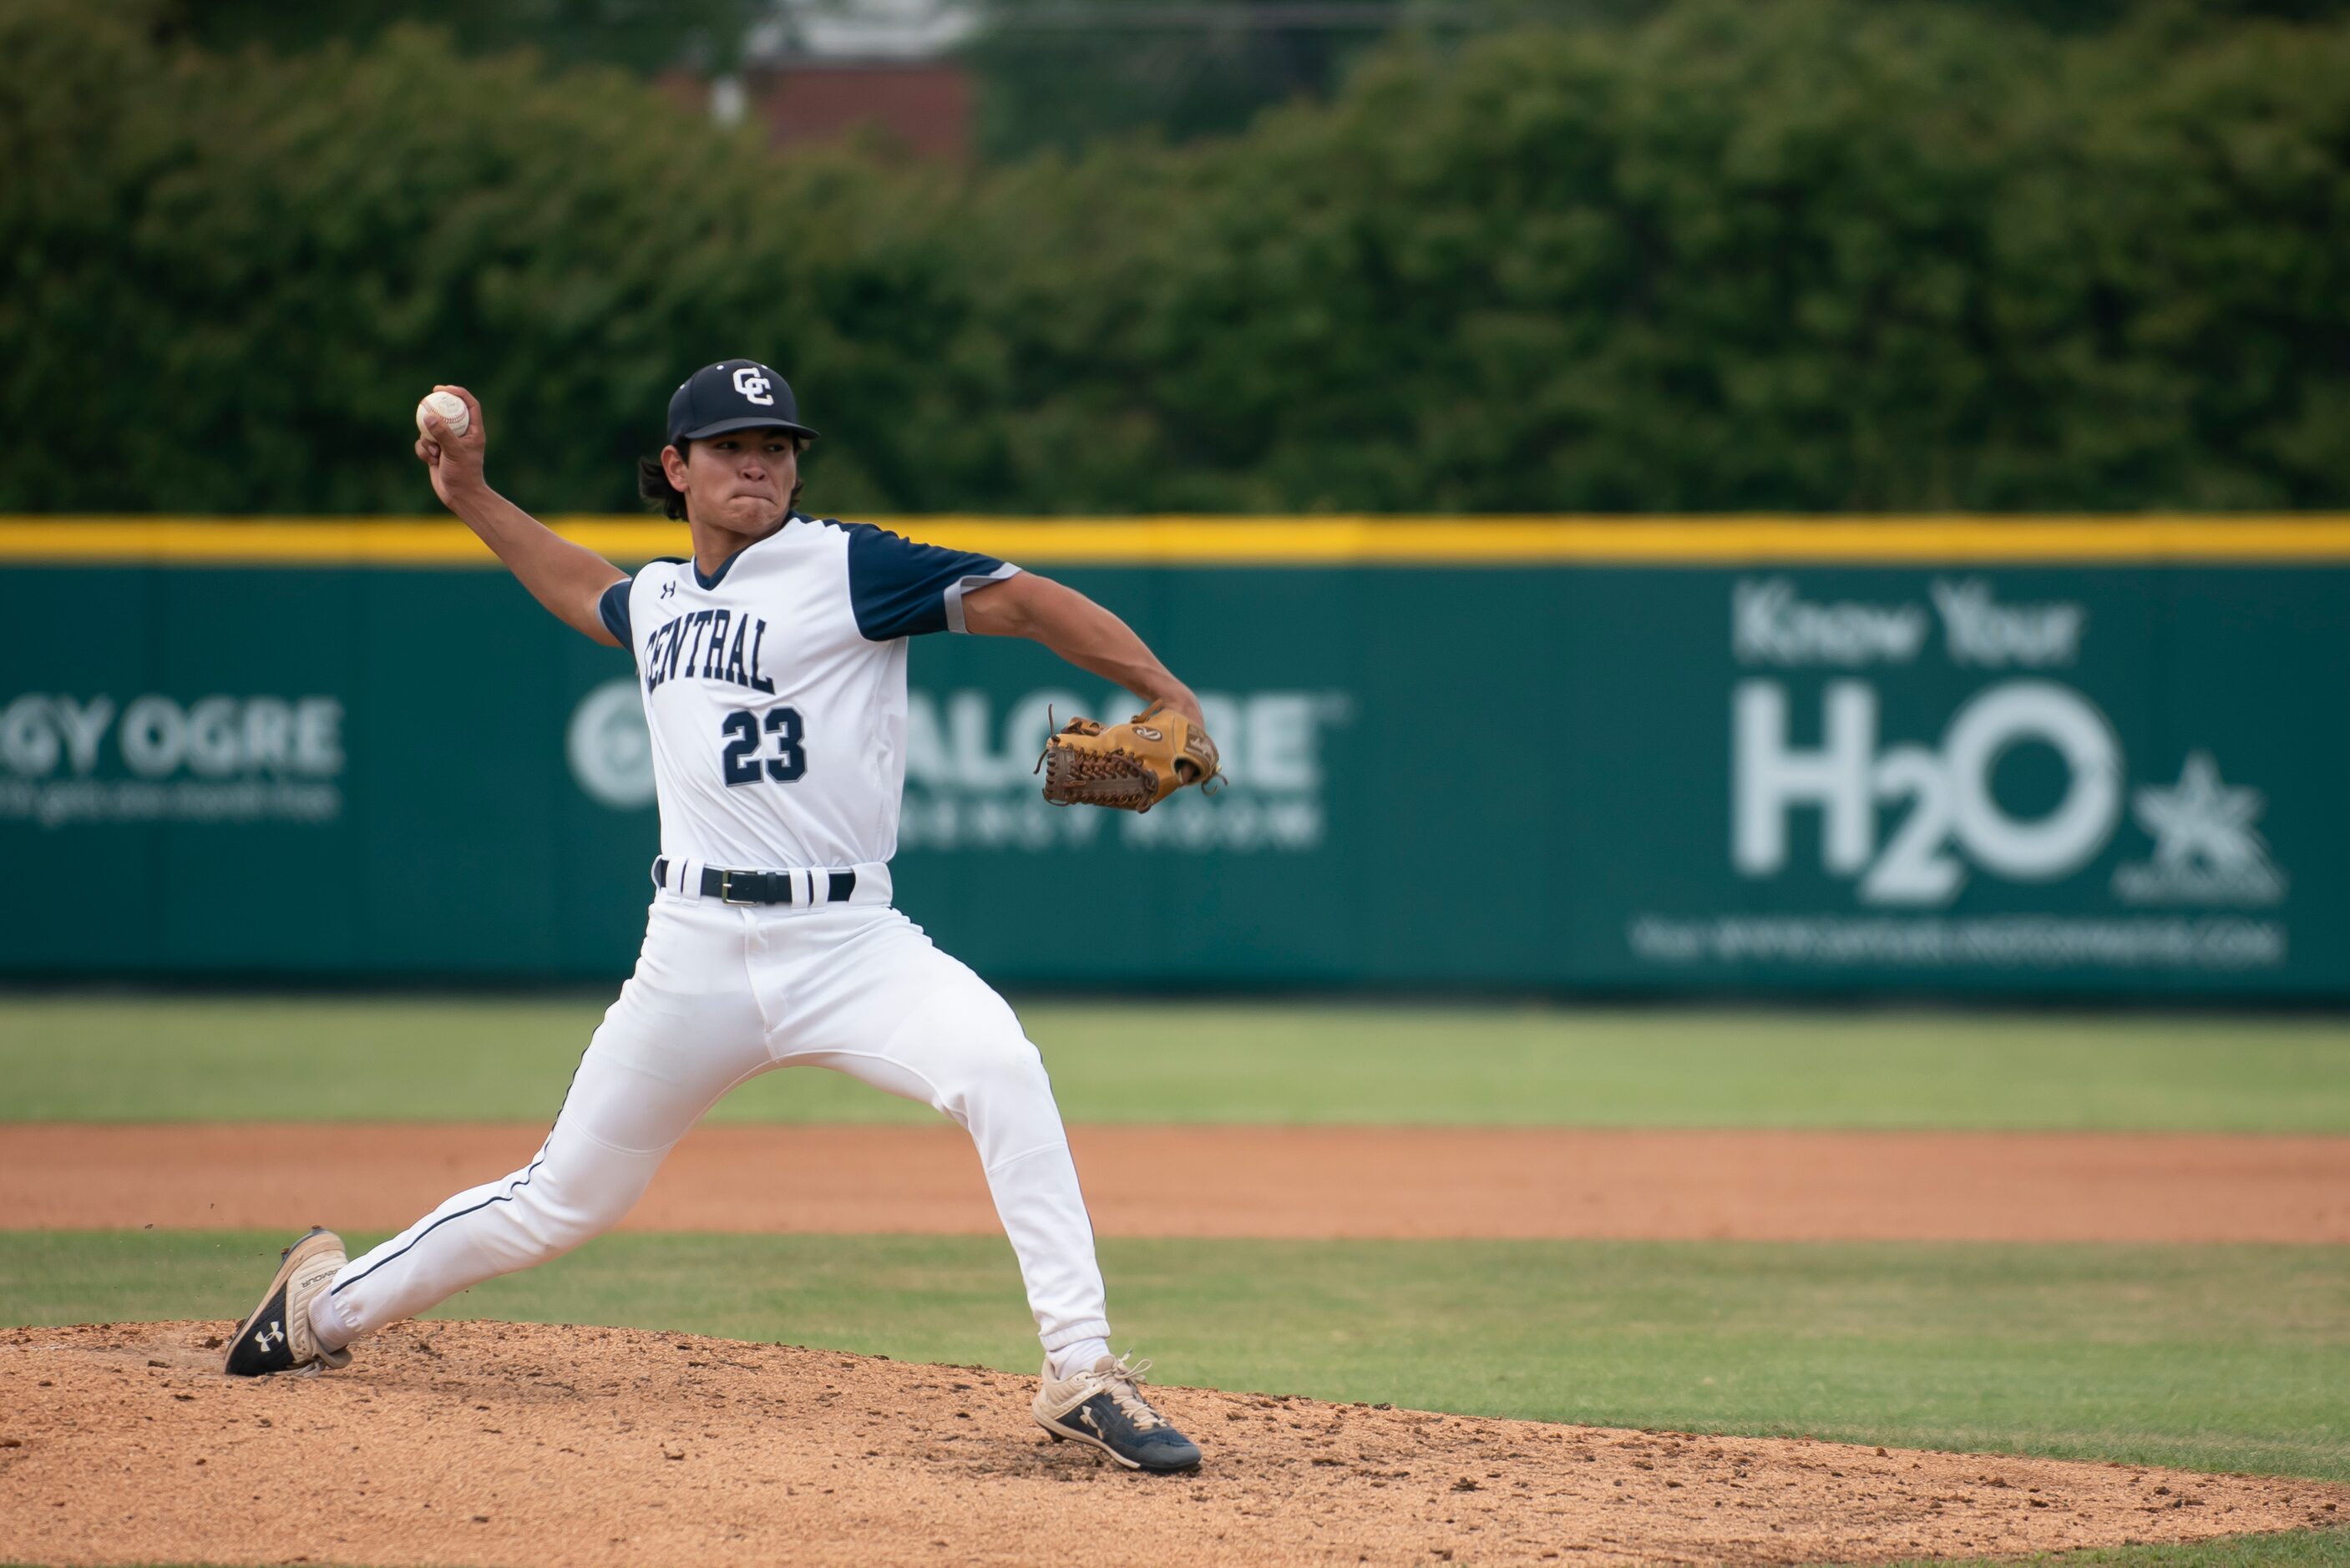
[327, 1324]
[1077, 1357]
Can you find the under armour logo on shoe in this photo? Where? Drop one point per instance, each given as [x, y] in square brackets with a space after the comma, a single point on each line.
[275, 1330]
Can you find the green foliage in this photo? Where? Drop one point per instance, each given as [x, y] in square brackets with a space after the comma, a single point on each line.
[1790, 256]
[1808, 254]
[1047, 81]
[1065, 73]
[643, 34]
[290, 251]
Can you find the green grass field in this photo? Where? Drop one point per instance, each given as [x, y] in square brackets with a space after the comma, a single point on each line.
[2212, 1358]
[2228, 1358]
[383, 1059]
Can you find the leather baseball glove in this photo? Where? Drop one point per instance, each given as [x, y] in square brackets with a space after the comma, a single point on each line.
[1129, 767]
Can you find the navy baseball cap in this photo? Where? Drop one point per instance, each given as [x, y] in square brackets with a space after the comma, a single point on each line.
[732, 395]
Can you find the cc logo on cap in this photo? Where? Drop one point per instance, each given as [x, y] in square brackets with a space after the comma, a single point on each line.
[753, 383]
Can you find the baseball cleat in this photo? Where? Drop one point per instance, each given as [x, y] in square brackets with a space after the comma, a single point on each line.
[1103, 1405]
[278, 1337]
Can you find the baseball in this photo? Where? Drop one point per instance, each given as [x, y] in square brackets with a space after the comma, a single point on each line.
[451, 410]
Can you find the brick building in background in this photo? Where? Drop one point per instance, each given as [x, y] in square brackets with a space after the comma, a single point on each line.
[881, 65]
[926, 104]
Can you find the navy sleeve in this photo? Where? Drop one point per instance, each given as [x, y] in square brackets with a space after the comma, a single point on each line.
[899, 588]
[613, 609]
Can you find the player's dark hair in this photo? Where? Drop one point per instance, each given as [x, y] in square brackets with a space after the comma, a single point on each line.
[653, 485]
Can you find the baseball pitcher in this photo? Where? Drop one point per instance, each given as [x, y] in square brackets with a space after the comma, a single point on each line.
[772, 667]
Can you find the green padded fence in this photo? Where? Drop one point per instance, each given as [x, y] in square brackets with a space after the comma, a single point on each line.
[1725, 757]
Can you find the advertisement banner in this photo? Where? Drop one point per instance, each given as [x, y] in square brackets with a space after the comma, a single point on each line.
[1688, 775]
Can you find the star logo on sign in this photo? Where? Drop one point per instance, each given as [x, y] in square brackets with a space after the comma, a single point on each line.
[2201, 823]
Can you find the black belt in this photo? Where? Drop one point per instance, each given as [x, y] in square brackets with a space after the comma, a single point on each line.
[764, 887]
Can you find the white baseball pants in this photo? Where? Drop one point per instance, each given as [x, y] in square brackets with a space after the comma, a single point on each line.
[723, 992]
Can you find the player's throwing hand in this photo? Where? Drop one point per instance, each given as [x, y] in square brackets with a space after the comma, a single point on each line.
[455, 461]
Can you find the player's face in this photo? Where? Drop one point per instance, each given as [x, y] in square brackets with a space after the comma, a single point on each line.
[740, 481]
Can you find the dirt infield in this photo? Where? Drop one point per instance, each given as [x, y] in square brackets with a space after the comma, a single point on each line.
[1483, 1182]
[472, 1442]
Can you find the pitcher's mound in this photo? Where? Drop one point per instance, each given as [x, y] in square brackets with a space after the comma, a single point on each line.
[506, 1443]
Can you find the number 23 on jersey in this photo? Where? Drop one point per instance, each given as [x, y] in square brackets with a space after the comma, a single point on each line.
[749, 755]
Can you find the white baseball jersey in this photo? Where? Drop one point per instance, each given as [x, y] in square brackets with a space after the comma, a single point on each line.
[775, 689]
[775, 693]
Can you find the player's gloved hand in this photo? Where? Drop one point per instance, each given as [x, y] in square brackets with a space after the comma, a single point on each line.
[1129, 767]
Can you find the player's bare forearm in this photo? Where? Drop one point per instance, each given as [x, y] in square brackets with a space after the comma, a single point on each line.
[569, 579]
[1080, 631]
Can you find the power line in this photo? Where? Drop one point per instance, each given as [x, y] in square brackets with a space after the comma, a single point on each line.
[1298, 15]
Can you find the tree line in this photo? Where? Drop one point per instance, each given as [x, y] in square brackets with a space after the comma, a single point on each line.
[1811, 255]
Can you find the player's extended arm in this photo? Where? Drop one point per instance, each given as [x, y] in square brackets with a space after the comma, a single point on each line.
[1080, 631]
[568, 578]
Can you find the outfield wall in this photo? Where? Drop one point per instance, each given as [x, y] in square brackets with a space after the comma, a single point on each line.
[2059, 758]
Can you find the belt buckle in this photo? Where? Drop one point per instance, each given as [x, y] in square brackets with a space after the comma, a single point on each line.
[726, 889]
